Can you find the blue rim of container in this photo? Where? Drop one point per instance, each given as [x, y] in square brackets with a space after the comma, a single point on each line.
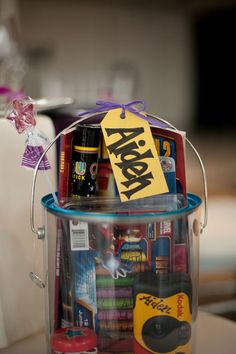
[48, 203]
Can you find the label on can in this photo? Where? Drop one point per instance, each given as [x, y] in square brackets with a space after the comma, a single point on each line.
[79, 235]
[133, 155]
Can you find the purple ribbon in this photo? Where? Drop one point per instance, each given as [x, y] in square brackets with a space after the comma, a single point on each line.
[10, 94]
[130, 106]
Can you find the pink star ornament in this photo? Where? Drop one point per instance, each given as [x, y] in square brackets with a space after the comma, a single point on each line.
[21, 113]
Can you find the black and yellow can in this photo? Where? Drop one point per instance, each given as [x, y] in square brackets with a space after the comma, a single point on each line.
[85, 149]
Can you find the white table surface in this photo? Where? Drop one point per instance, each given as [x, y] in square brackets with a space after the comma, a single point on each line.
[215, 335]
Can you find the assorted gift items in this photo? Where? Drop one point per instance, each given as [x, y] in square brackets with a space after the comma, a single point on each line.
[122, 241]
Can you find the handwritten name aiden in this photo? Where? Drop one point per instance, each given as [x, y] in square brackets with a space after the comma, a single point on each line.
[155, 303]
[160, 305]
[132, 165]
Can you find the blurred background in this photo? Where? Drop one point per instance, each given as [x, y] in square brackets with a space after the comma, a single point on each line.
[178, 56]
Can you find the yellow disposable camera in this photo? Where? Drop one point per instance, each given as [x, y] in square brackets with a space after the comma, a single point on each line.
[162, 313]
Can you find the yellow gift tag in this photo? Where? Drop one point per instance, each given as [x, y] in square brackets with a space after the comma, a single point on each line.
[133, 156]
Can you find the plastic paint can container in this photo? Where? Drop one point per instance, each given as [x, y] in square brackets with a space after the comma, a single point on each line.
[129, 272]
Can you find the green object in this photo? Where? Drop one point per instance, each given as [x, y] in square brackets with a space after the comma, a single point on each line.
[114, 303]
[108, 281]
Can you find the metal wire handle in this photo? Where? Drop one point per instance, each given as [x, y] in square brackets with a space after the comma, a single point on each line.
[40, 230]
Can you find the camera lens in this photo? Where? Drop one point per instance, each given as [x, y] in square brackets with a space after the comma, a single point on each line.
[158, 329]
[164, 333]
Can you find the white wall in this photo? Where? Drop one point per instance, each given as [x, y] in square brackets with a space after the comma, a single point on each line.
[86, 40]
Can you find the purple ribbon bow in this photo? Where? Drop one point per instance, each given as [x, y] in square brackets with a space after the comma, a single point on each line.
[130, 106]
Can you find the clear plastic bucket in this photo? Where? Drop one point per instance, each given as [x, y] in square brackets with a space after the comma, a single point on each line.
[127, 272]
